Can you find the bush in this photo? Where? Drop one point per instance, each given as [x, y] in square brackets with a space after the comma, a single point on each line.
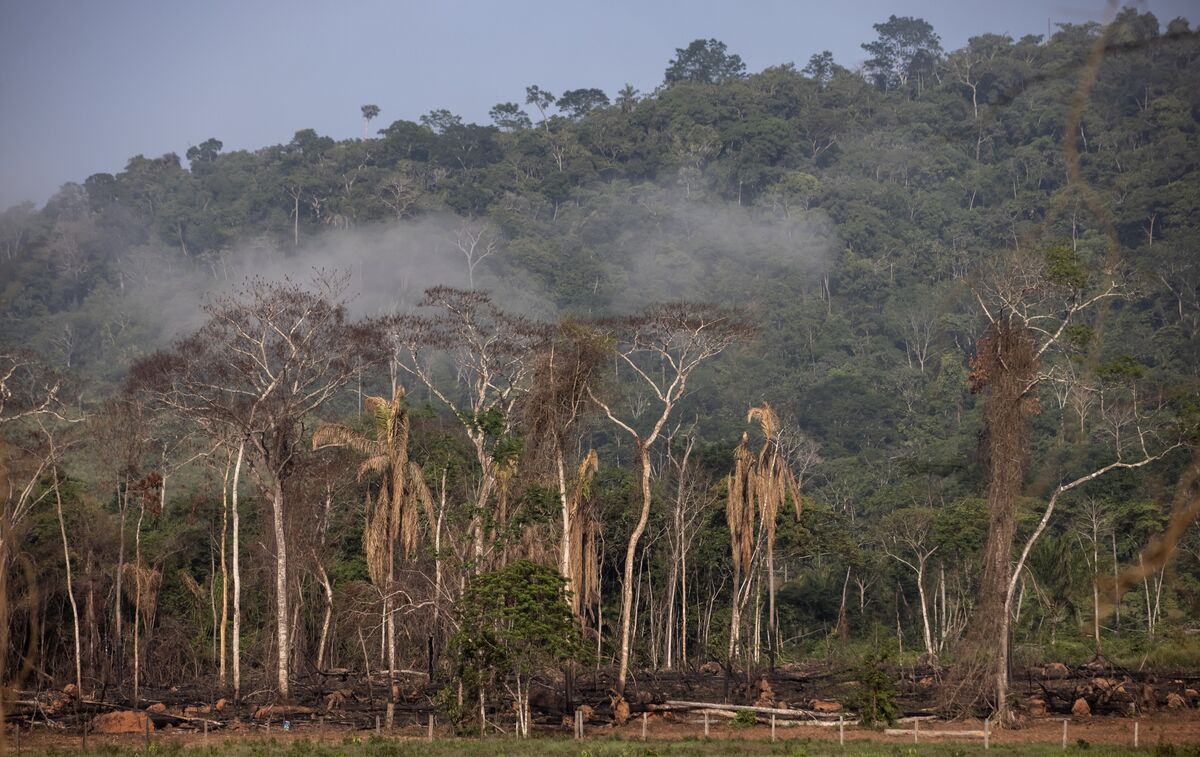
[875, 699]
[514, 624]
[744, 718]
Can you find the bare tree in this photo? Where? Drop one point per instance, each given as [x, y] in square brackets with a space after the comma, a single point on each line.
[1093, 522]
[694, 496]
[1029, 302]
[266, 359]
[29, 396]
[569, 363]
[662, 346]
[477, 242]
[399, 192]
[492, 354]
[907, 534]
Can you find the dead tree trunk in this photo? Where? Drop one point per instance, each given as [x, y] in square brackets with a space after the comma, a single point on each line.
[235, 546]
[62, 529]
[1006, 366]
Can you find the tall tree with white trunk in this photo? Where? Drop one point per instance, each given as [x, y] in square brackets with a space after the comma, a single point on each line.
[268, 357]
[661, 348]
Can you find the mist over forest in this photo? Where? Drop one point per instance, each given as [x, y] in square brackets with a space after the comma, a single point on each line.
[893, 369]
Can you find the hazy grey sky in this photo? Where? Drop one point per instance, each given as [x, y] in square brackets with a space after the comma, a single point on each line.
[86, 84]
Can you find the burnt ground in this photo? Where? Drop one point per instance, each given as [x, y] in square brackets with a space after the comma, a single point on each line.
[336, 705]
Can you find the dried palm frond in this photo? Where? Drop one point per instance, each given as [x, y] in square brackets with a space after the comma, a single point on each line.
[377, 464]
[337, 435]
[424, 496]
[189, 583]
[375, 539]
[766, 418]
[775, 480]
[142, 588]
[740, 506]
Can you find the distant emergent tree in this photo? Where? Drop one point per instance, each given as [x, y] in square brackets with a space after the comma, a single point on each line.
[627, 97]
[441, 121]
[509, 117]
[706, 62]
[540, 99]
[369, 112]
[574, 103]
[204, 153]
[820, 67]
[907, 48]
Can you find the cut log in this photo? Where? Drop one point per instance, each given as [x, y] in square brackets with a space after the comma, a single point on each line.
[934, 734]
[794, 714]
[780, 722]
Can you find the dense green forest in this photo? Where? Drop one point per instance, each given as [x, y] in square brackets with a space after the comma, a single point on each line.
[764, 323]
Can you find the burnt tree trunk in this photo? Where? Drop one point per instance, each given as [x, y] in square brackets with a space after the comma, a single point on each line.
[1005, 368]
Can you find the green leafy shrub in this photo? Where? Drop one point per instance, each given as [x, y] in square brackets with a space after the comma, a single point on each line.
[744, 718]
[875, 699]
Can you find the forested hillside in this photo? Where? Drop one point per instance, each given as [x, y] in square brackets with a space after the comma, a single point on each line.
[766, 366]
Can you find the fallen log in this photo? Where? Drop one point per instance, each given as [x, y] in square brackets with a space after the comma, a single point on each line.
[780, 722]
[170, 718]
[924, 734]
[777, 711]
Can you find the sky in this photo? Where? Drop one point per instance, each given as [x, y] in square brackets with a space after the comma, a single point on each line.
[87, 84]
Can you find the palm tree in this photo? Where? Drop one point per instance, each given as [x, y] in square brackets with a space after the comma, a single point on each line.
[393, 515]
[758, 486]
[369, 112]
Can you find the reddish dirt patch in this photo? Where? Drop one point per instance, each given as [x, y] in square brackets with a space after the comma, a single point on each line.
[120, 722]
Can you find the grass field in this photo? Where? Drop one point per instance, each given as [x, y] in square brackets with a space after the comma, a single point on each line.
[610, 747]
